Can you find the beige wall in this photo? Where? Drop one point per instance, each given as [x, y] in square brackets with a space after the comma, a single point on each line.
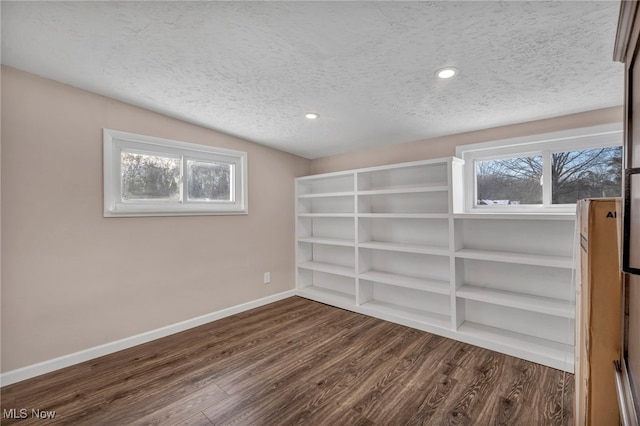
[445, 146]
[72, 279]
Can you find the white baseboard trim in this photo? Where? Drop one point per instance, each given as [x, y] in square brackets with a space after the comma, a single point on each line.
[48, 366]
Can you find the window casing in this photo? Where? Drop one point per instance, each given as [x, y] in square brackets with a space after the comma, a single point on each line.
[149, 176]
[539, 158]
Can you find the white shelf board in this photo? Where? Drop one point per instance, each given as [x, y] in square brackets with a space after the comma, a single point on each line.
[325, 295]
[327, 194]
[404, 215]
[327, 241]
[328, 268]
[326, 215]
[521, 258]
[527, 302]
[433, 161]
[406, 190]
[424, 284]
[390, 310]
[543, 351]
[407, 248]
[518, 216]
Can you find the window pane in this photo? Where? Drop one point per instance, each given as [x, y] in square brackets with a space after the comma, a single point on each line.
[591, 173]
[509, 181]
[150, 177]
[208, 181]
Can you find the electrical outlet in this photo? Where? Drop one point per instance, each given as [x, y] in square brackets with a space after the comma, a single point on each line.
[267, 277]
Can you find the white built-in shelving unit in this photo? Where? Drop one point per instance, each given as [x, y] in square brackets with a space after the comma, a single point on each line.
[386, 242]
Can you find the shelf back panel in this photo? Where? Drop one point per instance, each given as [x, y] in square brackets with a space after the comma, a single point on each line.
[407, 264]
[543, 281]
[329, 184]
[428, 232]
[403, 177]
[410, 298]
[544, 237]
[429, 202]
[549, 327]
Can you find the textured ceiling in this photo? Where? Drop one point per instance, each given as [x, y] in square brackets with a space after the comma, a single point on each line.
[252, 69]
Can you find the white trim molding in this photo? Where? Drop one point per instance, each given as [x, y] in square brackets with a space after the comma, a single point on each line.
[48, 366]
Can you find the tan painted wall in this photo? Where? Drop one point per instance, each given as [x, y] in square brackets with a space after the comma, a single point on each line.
[72, 279]
[445, 146]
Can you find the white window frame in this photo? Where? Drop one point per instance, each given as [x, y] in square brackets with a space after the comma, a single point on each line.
[544, 145]
[116, 141]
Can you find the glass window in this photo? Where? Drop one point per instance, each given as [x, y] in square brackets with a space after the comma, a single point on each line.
[541, 173]
[509, 181]
[590, 173]
[209, 181]
[149, 176]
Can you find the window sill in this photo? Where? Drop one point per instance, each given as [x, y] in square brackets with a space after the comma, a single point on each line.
[528, 215]
[182, 210]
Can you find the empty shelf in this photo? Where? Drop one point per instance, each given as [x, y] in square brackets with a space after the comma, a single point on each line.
[424, 317]
[328, 268]
[326, 215]
[511, 257]
[547, 352]
[404, 215]
[327, 241]
[408, 248]
[406, 190]
[325, 295]
[540, 304]
[327, 194]
[424, 284]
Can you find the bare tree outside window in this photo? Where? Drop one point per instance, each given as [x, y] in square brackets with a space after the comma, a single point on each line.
[591, 173]
[509, 181]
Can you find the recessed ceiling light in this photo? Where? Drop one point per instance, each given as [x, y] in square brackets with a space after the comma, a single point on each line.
[447, 72]
[311, 115]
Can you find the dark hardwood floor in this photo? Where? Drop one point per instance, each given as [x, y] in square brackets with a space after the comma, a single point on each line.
[298, 362]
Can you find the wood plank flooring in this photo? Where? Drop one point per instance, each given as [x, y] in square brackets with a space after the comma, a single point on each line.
[298, 362]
